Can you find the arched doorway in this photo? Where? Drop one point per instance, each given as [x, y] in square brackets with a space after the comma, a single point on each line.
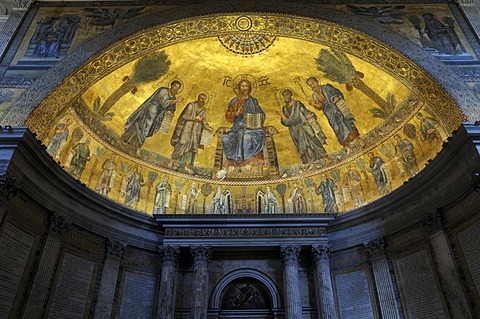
[245, 293]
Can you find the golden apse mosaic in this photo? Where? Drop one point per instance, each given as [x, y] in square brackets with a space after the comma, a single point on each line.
[246, 114]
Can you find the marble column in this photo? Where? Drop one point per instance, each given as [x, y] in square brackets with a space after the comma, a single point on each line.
[323, 282]
[19, 11]
[201, 258]
[446, 267]
[108, 281]
[293, 302]
[168, 282]
[41, 285]
[383, 280]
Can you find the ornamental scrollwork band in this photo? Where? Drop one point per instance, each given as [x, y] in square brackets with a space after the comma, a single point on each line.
[247, 232]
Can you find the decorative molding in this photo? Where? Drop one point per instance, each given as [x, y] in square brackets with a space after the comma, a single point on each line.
[289, 253]
[58, 225]
[8, 186]
[170, 254]
[115, 249]
[432, 221]
[376, 247]
[320, 252]
[201, 254]
[247, 232]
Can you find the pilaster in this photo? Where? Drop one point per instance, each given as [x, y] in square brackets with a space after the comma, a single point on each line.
[108, 281]
[446, 267]
[41, 285]
[383, 280]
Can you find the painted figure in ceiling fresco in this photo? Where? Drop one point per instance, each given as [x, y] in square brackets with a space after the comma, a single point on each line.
[81, 154]
[51, 40]
[443, 36]
[404, 151]
[297, 118]
[299, 204]
[219, 202]
[353, 182]
[243, 144]
[326, 188]
[59, 139]
[428, 129]
[331, 101]
[162, 196]
[107, 176]
[269, 202]
[188, 132]
[379, 174]
[192, 199]
[135, 182]
[147, 119]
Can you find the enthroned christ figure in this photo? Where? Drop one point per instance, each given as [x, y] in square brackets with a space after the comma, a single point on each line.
[243, 144]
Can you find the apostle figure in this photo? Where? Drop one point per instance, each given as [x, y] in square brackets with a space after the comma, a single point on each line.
[81, 154]
[107, 176]
[428, 129]
[188, 132]
[269, 202]
[59, 139]
[298, 199]
[331, 101]
[162, 197]
[297, 118]
[379, 175]
[405, 155]
[219, 201]
[353, 182]
[147, 119]
[135, 183]
[243, 144]
[192, 199]
[326, 188]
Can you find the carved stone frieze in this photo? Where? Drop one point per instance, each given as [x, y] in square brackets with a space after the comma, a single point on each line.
[375, 248]
[169, 254]
[58, 225]
[201, 254]
[115, 249]
[432, 221]
[289, 253]
[320, 252]
[8, 186]
[247, 232]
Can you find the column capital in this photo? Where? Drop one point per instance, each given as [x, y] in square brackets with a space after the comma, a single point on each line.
[115, 249]
[432, 222]
[201, 254]
[376, 247]
[170, 254]
[289, 253]
[321, 251]
[58, 225]
[8, 186]
[22, 4]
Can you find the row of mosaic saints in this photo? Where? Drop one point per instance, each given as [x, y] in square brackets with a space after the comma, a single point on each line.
[244, 149]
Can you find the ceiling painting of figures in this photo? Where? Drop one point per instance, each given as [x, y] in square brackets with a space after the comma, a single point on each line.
[240, 115]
